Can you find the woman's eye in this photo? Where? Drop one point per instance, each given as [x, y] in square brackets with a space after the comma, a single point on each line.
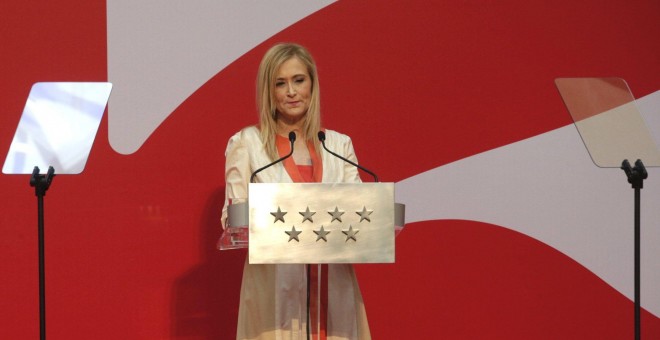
[279, 83]
[300, 80]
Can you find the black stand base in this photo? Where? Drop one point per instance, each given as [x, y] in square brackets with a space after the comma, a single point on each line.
[41, 183]
[636, 176]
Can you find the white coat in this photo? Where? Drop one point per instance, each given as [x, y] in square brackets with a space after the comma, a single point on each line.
[273, 297]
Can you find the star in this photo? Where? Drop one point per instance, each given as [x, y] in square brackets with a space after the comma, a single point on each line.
[350, 233]
[307, 215]
[321, 234]
[279, 215]
[293, 234]
[336, 215]
[364, 214]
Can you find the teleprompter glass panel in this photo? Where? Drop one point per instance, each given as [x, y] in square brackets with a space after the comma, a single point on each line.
[58, 127]
[607, 118]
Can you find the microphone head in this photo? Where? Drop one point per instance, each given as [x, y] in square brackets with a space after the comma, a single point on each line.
[321, 135]
[292, 136]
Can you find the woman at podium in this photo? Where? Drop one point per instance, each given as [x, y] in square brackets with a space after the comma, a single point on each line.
[274, 297]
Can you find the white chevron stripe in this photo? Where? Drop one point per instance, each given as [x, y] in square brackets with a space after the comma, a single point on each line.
[547, 187]
[162, 51]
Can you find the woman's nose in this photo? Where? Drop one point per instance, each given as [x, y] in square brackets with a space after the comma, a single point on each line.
[291, 91]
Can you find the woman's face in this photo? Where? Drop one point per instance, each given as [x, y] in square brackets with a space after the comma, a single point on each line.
[293, 90]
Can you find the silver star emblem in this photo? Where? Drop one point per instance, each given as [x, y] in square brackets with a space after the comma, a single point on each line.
[293, 234]
[336, 215]
[321, 234]
[350, 233]
[279, 215]
[364, 214]
[307, 215]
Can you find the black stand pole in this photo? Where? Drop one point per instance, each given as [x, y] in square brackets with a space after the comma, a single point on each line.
[41, 183]
[636, 176]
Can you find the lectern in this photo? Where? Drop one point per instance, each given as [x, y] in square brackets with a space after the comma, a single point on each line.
[316, 223]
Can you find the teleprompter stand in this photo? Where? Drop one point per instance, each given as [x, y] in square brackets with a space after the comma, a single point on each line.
[636, 176]
[41, 183]
[612, 129]
[75, 107]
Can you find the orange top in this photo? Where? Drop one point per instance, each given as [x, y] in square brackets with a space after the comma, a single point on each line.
[310, 174]
[300, 173]
[307, 173]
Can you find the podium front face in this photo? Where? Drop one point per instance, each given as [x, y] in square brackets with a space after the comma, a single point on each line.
[321, 223]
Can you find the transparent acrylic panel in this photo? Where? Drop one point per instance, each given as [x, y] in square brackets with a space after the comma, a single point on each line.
[607, 118]
[58, 127]
[649, 107]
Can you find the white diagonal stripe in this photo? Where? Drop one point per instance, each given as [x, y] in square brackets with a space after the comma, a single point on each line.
[548, 188]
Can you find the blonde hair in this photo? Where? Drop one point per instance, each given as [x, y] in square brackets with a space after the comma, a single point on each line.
[270, 64]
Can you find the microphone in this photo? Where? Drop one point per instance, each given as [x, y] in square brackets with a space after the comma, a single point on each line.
[321, 135]
[292, 138]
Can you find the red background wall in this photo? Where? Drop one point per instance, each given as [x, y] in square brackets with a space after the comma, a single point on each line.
[131, 242]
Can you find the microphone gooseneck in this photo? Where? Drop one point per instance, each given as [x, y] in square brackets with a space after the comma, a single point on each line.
[292, 139]
[321, 136]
